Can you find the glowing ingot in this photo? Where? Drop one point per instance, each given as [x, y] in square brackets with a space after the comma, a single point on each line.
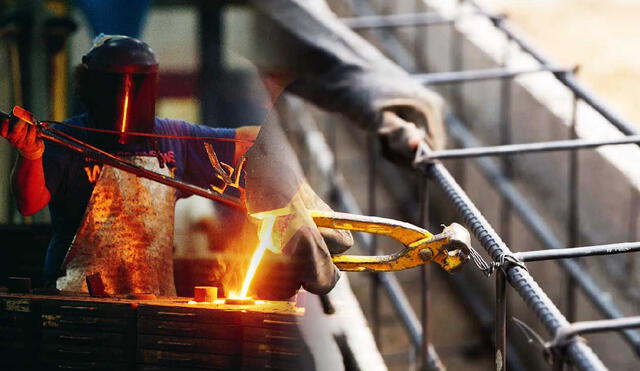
[205, 293]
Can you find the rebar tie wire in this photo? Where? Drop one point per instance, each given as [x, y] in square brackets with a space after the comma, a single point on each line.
[504, 261]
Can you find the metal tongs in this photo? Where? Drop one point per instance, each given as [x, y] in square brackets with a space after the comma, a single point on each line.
[450, 249]
[72, 143]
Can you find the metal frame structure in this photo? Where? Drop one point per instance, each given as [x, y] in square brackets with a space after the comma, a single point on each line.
[566, 347]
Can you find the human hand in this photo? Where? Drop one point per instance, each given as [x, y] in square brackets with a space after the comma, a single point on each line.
[399, 138]
[407, 121]
[301, 256]
[23, 137]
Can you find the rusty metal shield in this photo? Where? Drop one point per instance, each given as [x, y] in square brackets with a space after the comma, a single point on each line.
[126, 235]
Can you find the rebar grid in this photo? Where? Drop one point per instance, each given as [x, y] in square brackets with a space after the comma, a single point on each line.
[579, 354]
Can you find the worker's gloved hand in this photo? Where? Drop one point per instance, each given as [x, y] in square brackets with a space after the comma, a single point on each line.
[337, 240]
[403, 127]
[24, 137]
[300, 256]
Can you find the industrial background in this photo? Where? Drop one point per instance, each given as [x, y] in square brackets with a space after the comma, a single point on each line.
[500, 89]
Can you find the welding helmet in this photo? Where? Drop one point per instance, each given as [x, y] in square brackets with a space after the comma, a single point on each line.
[120, 86]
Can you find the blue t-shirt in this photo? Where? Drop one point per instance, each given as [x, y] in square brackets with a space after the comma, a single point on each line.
[70, 176]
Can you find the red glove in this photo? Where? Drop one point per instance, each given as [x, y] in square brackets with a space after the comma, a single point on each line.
[23, 137]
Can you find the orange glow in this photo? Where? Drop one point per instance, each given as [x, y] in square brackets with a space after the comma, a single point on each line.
[264, 236]
[266, 240]
[125, 104]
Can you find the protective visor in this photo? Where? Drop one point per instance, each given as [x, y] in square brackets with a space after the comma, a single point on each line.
[122, 102]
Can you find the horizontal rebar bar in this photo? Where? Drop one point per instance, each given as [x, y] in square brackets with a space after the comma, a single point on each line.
[541, 230]
[521, 148]
[396, 20]
[438, 78]
[578, 252]
[591, 327]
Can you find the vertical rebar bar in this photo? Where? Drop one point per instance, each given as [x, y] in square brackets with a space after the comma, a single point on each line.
[455, 90]
[424, 281]
[506, 138]
[501, 321]
[572, 220]
[420, 39]
[371, 201]
[631, 265]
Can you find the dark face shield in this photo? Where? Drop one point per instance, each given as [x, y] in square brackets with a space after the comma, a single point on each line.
[122, 102]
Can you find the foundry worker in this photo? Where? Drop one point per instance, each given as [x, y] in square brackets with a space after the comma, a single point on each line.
[111, 222]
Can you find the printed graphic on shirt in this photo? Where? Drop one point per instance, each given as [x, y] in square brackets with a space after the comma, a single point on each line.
[227, 174]
[93, 169]
[92, 172]
[231, 178]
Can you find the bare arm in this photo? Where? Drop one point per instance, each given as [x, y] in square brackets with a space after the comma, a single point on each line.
[27, 179]
[248, 133]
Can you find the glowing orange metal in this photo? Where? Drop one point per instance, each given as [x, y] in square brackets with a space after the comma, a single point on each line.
[264, 236]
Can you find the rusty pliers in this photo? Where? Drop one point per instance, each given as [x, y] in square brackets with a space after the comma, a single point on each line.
[450, 249]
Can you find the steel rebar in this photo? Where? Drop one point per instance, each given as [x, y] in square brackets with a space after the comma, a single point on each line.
[524, 148]
[591, 327]
[536, 299]
[439, 78]
[501, 322]
[395, 20]
[578, 252]
[542, 231]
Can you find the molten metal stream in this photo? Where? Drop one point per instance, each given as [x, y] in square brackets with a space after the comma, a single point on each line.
[265, 240]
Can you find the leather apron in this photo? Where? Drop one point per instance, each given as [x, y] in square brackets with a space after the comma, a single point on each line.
[126, 235]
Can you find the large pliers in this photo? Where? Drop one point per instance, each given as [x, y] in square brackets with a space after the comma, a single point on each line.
[449, 249]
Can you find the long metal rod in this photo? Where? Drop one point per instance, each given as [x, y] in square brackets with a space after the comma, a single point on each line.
[522, 148]
[396, 20]
[501, 322]
[373, 246]
[591, 327]
[111, 160]
[578, 252]
[520, 279]
[572, 219]
[542, 231]
[424, 279]
[505, 219]
[420, 45]
[439, 78]
[506, 137]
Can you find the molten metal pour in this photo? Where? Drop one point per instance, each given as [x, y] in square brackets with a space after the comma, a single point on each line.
[268, 220]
